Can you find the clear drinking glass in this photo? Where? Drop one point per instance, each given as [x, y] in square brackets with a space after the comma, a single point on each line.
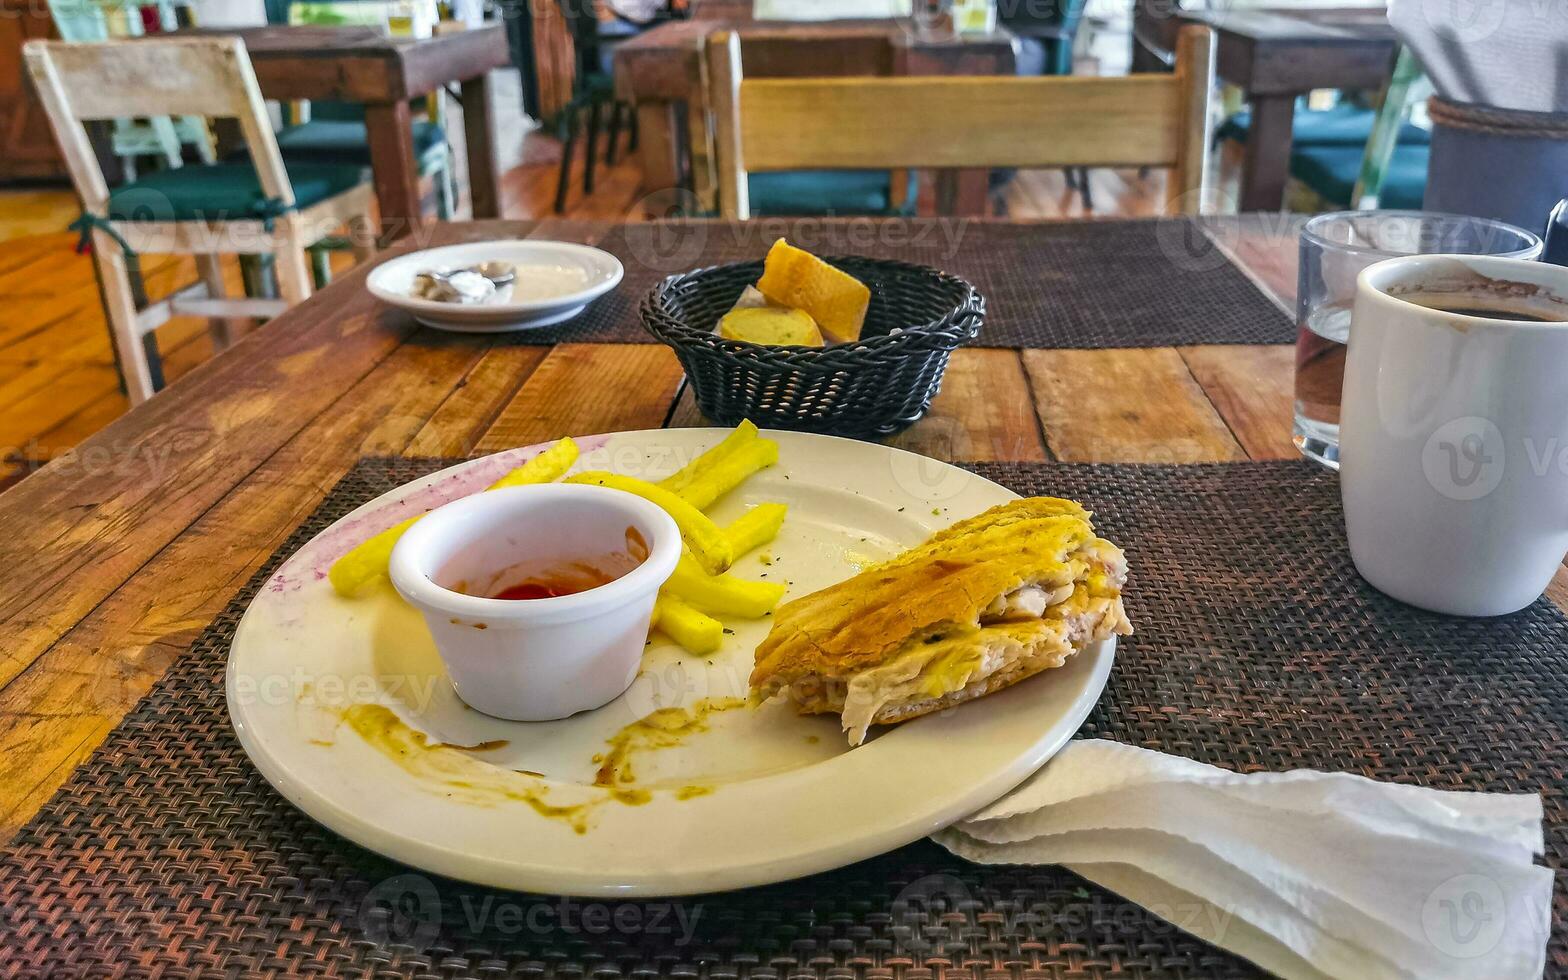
[1334, 249]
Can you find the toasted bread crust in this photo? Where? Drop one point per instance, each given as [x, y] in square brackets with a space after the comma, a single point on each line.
[944, 582]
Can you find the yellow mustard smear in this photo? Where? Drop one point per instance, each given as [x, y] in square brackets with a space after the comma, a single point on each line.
[480, 783]
[474, 781]
[665, 728]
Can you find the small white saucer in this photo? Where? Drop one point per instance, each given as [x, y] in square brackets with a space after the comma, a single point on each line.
[555, 281]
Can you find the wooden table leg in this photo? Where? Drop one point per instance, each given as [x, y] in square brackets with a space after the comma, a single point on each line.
[658, 146]
[388, 127]
[1266, 163]
[971, 193]
[479, 134]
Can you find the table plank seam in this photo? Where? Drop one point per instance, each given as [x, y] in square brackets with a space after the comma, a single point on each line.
[481, 425]
[34, 600]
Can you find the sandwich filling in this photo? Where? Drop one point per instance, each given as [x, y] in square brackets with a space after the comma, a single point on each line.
[1051, 588]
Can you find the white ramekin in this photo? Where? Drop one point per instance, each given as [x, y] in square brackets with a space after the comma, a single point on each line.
[536, 659]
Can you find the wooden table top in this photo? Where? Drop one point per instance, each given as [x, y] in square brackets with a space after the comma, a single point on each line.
[1282, 50]
[361, 64]
[680, 35]
[1307, 25]
[661, 63]
[123, 550]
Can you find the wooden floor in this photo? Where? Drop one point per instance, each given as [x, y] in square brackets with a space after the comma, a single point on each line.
[57, 376]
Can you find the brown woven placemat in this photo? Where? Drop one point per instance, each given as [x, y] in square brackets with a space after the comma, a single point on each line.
[1068, 284]
[1258, 648]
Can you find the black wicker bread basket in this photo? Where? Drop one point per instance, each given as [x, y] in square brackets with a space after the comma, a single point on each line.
[874, 387]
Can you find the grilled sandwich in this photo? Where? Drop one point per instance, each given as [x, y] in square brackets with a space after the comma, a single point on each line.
[978, 607]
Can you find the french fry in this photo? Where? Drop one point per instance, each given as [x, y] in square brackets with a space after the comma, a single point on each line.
[755, 528]
[695, 632]
[368, 560]
[707, 543]
[547, 467]
[743, 434]
[722, 594]
[729, 472]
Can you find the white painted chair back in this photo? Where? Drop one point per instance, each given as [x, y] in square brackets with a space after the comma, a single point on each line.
[209, 77]
[205, 77]
[102, 20]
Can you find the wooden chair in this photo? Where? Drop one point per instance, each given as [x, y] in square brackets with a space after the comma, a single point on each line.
[593, 93]
[205, 211]
[334, 132]
[158, 136]
[1157, 120]
[772, 53]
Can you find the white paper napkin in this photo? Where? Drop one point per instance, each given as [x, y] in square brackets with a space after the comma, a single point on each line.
[1307, 874]
[1506, 53]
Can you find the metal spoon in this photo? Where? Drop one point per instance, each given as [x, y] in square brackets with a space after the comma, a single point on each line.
[500, 273]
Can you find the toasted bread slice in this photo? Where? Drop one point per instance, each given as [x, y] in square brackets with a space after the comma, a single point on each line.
[836, 300]
[771, 325]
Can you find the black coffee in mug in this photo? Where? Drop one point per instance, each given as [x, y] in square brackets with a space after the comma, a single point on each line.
[1490, 307]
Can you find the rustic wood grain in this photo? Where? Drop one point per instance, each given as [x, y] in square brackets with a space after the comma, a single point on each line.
[685, 413]
[54, 714]
[1557, 591]
[982, 413]
[84, 524]
[580, 389]
[1104, 406]
[455, 427]
[1252, 388]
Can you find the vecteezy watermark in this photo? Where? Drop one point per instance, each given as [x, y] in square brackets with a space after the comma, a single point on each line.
[1464, 459]
[927, 479]
[1468, 21]
[939, 911]
[404, 910]
[329, 690]
[1193, 245]
[409, 910]
[1465, 916]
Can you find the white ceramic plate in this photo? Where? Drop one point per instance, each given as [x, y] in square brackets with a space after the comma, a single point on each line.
[555, 280]
[782, 795]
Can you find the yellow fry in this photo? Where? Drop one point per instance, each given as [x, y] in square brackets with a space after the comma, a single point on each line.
[755, 528]
[722, 594]
[707, 543]
[695, 632]
[743, 434]
[729, 472]
[367, 561]
[547, 467]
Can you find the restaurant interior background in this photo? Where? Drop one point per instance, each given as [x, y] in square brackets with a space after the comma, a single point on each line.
[58, 382]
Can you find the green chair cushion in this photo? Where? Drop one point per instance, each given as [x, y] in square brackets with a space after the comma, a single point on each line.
[1345, 124]
[1331, 171]
[222, 191]
[344, 141]
[843, 192]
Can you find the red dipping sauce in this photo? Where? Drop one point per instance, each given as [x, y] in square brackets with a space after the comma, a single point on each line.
[570, 578]
[535, 590]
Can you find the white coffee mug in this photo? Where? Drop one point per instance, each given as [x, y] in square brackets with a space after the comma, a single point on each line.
[1454, 432]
